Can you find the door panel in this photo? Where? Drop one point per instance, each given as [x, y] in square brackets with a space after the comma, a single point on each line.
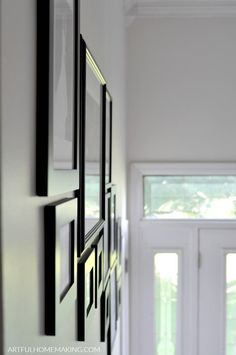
[214, 247]
[157, 335]
[206, 289]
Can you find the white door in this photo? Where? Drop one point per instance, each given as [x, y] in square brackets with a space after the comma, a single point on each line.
[167, 290]
[217, 292]
[187, 304]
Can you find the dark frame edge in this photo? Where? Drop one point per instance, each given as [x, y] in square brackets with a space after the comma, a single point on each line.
[50, 269]
[42, 100]
[103, 148]
[81, 301]
[81, 293]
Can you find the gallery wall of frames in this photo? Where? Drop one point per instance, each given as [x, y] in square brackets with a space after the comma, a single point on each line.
[74, 156]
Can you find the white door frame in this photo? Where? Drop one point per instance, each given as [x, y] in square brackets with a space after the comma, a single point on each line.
[138, 170]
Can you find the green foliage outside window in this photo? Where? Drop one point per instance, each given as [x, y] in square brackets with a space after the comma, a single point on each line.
[190, 197]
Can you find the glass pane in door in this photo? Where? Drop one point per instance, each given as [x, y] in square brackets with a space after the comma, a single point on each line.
[231, 304]
[166, 302]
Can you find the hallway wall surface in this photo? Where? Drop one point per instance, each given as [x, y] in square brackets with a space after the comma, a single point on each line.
[103, 28]
[1, 290]
[22, 210]
[181, 89]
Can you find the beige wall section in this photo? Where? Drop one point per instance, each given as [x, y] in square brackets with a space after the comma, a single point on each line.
[22, 215]
[182, 90]
[103, 28]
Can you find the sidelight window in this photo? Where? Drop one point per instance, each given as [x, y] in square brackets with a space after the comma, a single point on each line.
[166, 266]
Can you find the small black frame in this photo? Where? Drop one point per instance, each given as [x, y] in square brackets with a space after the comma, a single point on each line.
[57, 301]
[118, 297]
[85, 292]
[53, 175]
[99, 271]
[113, 319]
[119, 245]
[113, 227]
[105, 312]
[87, 58]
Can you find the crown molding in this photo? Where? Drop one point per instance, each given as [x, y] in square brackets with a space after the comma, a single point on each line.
[182, 8]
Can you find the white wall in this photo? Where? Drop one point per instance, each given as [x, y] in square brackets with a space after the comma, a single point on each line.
[1, 290]
[103, 28]
[182, 90]
[22, 211]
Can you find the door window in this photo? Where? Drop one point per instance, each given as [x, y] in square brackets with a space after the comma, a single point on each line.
[166, 302]
[231, 304]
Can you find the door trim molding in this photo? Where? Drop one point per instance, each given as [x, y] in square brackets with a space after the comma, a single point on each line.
[135, 208]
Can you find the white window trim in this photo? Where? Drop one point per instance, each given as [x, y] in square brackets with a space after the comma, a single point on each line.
[139, 170]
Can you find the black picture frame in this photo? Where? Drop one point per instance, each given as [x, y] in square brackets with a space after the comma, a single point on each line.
[113, 227]
[99, 270]
[107, 236]
[85, 292]
[60, 221]
[108, 135]
[58, 126]
[118, 296]
[105, 313]
[92, 208]
[113, 318]
[119, 245]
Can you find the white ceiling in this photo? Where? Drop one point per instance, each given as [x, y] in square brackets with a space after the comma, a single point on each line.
[180, 8]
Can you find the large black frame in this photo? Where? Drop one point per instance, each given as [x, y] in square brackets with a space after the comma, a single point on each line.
[57, 215]
[86, 56]
[50, 180]
[85, 291]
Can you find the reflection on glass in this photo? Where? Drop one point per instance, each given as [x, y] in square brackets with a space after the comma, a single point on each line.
[92, 149]
[108, 136]
[92, 186]
[166, 299]
[189, 197]
[65, 259]
[231, 304]
[63, 84]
